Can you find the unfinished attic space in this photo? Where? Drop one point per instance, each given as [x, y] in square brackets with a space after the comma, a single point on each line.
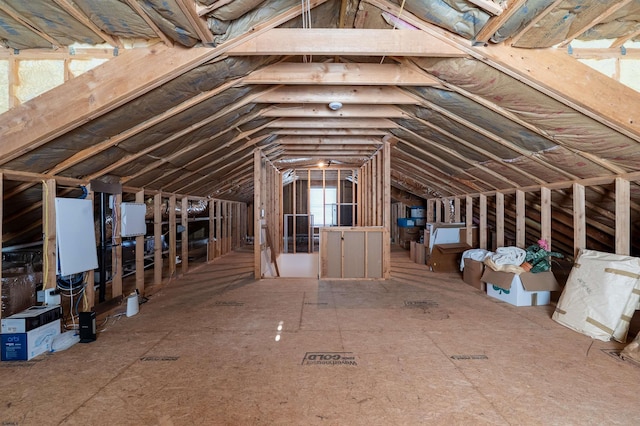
[345, 212]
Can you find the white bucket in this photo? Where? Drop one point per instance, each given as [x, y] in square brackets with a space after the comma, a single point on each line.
[132, 305]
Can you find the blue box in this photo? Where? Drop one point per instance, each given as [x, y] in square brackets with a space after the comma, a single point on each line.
[24, 346]
[405, 222]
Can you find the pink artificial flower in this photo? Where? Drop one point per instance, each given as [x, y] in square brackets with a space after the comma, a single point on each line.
[543, 244]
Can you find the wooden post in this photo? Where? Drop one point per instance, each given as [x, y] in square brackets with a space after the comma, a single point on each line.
[469, 220]
[482, 228]
[375, 179]
[545, 214]
[157, 239]
[184, 236]
[431, 210]
[211, 243]
[218, 204]
[140, 252]
[456, 210]
[49, 228]
[623, 216]
[499, 220]
[116, 251]
[257, 228]
[173, 234]
[579, 219]
[520, 219]
[229, 233]
[386, 211]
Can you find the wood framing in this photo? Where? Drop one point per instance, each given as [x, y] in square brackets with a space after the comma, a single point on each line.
[623, 218]
[157, 239]
[140, 248]
[347, 42]
[116, 250]
[579, 219]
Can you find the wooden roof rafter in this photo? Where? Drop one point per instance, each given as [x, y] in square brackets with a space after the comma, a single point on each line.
[28, 24]
[84, 20]
[135, 5]
[550, 72]
[610, 11]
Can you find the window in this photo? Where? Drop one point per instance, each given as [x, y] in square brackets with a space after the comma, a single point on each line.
[323, 206]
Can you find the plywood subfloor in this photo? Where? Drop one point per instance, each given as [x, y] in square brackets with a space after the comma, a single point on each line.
[217, 348]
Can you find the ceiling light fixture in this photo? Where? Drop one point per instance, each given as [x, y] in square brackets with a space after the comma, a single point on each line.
[334, 106]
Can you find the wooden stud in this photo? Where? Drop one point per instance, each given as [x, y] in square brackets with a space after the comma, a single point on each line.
[140, 248]
[157, 239]
[386, 221]
[49, 229]
[257, 228]
[184, 236]
[469, 220]
[482, 228]
[219, 228]
[116, 250]
[173, 234]
[579, 219]
[211, 241]
[456, 210]
[499, 220]
[623, 217]
[520, 219]
[545, 215]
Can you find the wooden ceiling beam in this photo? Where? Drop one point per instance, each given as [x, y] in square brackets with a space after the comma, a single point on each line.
[333, 123]
[345, 42]
[343, 94]
[322, 110]
[330, 132]
[351, 74]
[336, 140]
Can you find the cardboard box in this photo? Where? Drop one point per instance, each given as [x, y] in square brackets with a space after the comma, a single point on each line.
[446, 257]
[30, 319]
[405, 222]
[24, 346]
[472, 273]
[526, 289]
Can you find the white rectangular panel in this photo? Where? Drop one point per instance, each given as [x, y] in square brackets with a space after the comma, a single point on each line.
[75, 236]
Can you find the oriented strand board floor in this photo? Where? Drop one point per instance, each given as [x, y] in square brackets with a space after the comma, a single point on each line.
[218, 348]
